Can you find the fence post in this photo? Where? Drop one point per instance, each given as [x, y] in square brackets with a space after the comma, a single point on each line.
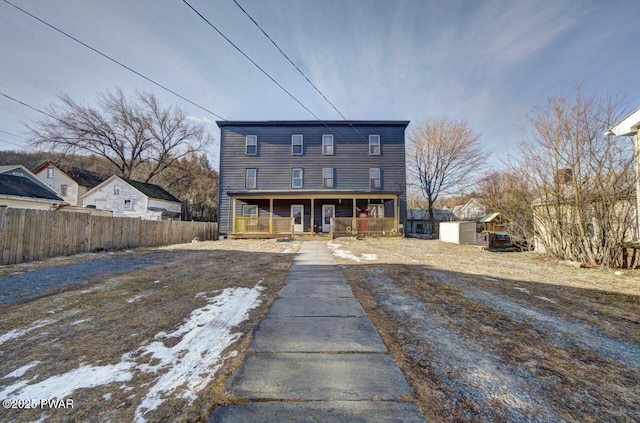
[3, 231]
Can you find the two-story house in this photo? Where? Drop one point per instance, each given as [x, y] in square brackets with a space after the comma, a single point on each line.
[312, 177]
[71, 183]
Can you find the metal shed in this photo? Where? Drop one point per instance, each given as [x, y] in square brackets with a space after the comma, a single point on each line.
[458, 232]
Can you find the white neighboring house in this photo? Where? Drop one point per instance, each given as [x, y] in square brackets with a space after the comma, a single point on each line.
[129, 198]
[21, 189]
[71, 183]
[473, 210]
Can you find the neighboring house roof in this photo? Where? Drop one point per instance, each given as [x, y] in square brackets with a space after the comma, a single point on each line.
[150, 190]
[627, 126]
[439, 214]
[19, 186]
[493, 216]
[81, 176]
[313, 123]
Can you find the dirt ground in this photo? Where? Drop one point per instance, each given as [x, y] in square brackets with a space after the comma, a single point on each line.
[123, 322]
[493, 337]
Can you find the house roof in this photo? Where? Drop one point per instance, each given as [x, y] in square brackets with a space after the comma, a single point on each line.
[402, 123]
[19, 186]
[439, 214]
[493, 216]
[81, 176]
[627, 126]
[152, 190]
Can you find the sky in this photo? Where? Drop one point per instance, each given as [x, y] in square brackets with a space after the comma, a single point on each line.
[489, 62]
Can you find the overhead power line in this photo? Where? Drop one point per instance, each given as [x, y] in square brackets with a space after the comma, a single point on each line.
[294, 65]
[27, 105]
[11, 142]
[11, 133]
[261, 69]
[115, 61]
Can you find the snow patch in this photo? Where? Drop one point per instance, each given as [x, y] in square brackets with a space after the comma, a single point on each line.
[546, 299]
[487, 278]
[22, 370]
[348, 254]
[17, 333]
[135, 298]
[77, 322]
[525, 290]
[369, 257]
[189, 365]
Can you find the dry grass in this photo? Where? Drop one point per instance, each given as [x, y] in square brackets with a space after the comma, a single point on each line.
[98, 323]
[426, 297]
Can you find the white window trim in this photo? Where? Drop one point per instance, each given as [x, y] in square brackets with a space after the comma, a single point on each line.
[328, 136]
[254, 142]
[254, 178]
[301, 145]
[49, 173]
[325, 178]
[372, 179]
[116, 190]
[246, 210]
[293, 178]
[130, 204]
[373, 137]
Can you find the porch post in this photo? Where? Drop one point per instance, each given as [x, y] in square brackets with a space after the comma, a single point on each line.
[353, 220]
[233, 216]
[312, 219]
[396, 212]
[271, 215]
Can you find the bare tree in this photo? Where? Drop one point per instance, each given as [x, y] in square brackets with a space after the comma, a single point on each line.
[444, 158]
[139, 138]
[508, 192]
[582, 179]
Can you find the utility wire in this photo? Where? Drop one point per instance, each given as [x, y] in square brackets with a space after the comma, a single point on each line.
[260, 68]
[11, 133]
[11, 142]
[27, 105]
[115, 61]
[295, 66]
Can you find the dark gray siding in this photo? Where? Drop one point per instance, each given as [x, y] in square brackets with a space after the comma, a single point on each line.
[351, 160]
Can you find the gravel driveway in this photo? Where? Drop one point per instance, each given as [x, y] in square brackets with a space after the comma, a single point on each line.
[29, 284]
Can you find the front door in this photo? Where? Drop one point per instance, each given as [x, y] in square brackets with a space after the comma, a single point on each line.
[297, 212]
[328, 212]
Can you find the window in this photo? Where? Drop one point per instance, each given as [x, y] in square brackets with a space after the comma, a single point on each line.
[296, 145]
[252, 145]
[327, 145]
[327, 177]
[374, 176]
[296, 178]
[49, 173]
[251, 179]
[64, 189]
[374, 145]
[127, 204]
[116, 190]
[249, 210]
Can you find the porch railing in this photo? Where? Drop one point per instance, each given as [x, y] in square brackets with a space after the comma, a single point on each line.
[364, 225]
[263, 225]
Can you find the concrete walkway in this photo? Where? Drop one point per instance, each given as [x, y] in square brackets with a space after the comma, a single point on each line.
[317, 357]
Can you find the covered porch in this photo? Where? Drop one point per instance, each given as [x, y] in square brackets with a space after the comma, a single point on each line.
[314, 215]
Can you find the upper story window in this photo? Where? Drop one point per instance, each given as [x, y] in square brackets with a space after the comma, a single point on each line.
[374, 177]
[116, 190]
[296, 178]
[297, 147]
[49, 173]
[327, 177]
[374, 145]
[64, 190]
[327, 145]
[127, 204]
[252, 145]
[251, 178]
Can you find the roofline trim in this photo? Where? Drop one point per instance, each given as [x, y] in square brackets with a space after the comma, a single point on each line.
[403, 123]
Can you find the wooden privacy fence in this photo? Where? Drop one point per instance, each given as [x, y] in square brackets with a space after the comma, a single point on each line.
[27, 235]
